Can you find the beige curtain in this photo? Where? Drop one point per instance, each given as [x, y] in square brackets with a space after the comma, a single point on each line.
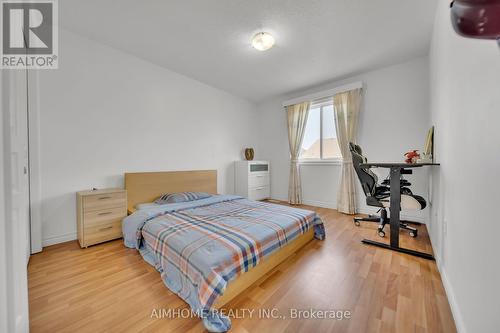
[346, 109]
[297, 119]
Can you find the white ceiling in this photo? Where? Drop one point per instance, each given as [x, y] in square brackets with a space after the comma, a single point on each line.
[209, 40]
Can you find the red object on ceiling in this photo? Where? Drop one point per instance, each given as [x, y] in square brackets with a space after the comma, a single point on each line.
[476, 18]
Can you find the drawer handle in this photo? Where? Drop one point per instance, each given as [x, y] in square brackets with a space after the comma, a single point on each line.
[104, 198]
[107, 228]
[104, 213]
[260, 188]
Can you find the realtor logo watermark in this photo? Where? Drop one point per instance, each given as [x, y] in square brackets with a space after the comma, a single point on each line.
[29, 34]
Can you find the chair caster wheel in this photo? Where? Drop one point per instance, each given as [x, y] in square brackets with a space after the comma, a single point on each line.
[357, 223]
[413, 234]
[381, 233]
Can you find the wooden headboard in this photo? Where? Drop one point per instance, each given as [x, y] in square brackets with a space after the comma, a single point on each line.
[147, 186]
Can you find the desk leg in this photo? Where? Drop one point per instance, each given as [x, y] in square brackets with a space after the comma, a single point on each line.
[399, 249]
[395, 205]
[395, 210]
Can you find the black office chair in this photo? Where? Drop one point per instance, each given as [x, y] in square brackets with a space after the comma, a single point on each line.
[379, 195]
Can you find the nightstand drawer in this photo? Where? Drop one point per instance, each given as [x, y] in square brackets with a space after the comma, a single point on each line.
[103, 232]
[258, 180]
[97, 217]
[259, 193]
[104, 201]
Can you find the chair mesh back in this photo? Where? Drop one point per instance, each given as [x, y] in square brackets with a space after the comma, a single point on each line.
[367, 177]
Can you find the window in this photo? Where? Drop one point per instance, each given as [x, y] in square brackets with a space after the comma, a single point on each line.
[320, 138]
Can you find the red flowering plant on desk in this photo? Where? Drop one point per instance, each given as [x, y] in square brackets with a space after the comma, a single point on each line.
[412, 156]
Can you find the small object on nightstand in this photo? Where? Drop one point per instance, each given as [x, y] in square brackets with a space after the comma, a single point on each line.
[99, 215]
[249, 154]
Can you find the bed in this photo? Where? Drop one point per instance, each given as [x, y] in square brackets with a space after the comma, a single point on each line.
[209, 250]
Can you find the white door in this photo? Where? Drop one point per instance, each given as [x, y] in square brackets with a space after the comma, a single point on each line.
[16, 183]
[19, 156]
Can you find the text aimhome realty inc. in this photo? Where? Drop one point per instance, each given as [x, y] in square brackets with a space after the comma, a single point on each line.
[267, 313]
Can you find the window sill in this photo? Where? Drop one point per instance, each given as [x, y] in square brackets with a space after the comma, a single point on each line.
[320, 162]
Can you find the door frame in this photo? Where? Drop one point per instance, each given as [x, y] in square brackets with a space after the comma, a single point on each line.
[5, 320]
[34, 160]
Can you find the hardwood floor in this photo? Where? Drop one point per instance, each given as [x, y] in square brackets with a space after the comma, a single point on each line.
[109, 288]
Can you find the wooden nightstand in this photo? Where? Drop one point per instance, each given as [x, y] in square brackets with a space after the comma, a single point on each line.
[99, 215]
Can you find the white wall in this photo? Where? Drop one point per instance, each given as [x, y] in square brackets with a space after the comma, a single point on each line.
[394, 118]
[465, 107]
[104, 112]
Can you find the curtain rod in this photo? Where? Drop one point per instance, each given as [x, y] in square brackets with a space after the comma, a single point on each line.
[323, 94]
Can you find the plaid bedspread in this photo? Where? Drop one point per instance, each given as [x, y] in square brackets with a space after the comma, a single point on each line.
[198, 250]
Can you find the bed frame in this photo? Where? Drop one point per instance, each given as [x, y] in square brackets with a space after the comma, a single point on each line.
[145, 187]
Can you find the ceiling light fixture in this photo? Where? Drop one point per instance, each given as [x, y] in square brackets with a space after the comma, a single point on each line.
[262, 41]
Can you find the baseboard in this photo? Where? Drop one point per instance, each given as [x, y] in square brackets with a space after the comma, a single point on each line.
[322, 204]
[459, 322]
[58, 239]
[315, 203]
[279, 199]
